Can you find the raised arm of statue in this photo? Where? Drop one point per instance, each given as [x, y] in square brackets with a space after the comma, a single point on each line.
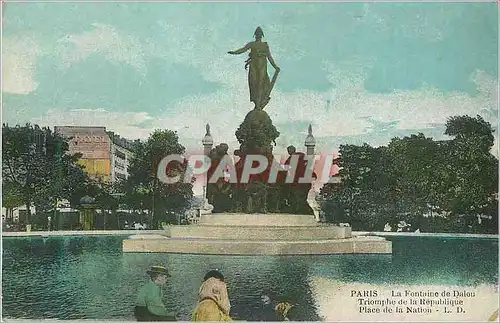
[241, 50]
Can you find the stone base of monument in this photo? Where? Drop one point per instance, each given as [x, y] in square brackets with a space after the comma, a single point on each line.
[256, 219]
[257, 234]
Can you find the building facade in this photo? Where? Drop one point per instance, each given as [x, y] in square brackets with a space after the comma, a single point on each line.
[104, 154]
[121, 152]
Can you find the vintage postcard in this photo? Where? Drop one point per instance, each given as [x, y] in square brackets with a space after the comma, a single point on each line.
[250, 161]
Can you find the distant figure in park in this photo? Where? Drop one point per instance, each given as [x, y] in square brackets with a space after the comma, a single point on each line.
[266, 311]
[213, 302]
[285, 311]
[149, 304]
[275, 309]
[258, 80]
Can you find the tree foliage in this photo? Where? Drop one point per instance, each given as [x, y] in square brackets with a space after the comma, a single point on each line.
[37, 169]
[11, 194]
[434, 185]
[142, 188]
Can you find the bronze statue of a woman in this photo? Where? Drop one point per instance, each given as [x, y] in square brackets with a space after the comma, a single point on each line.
[258, 80]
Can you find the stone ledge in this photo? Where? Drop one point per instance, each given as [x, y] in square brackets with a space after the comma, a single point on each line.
[440, 235]
[290, 233]
[146, 236]
[78, 233]
[268, 219]
[225, 247]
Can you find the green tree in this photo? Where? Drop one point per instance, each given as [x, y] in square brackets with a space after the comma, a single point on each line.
[413, 171]
[143, 189]
[105, 199]
[362, 196]
[11, 197]
[67, 180]
[472, 172]
[473, 133]
[37, 165]
[449, 185]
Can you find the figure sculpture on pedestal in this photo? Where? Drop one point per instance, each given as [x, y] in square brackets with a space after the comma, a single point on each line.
[258, 80]
[259, 193]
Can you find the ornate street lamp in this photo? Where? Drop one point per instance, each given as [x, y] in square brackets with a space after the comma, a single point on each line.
[87, 212]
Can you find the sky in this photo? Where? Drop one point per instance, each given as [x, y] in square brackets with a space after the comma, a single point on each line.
[357, 72]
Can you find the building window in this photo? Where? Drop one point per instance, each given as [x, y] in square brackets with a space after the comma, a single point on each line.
[120, 176]
[119, 154]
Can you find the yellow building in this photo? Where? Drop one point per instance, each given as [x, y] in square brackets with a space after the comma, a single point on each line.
[105, 155]
[95, 146]
[99, 168]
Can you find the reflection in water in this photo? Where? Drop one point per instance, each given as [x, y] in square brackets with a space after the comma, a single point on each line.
[90, 277]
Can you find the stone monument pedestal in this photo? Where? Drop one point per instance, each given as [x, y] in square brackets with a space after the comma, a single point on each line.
[257, 234]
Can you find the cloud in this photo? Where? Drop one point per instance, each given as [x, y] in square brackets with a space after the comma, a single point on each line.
[21, 51]
[352, 112]
[18, 64]
[104, 39]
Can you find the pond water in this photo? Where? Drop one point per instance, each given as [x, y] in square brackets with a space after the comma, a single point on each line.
[88, 277]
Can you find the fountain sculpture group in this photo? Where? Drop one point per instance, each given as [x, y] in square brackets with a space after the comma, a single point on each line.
[258, 217]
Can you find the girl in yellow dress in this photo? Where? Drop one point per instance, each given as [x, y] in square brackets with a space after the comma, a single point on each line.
[213, 301]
